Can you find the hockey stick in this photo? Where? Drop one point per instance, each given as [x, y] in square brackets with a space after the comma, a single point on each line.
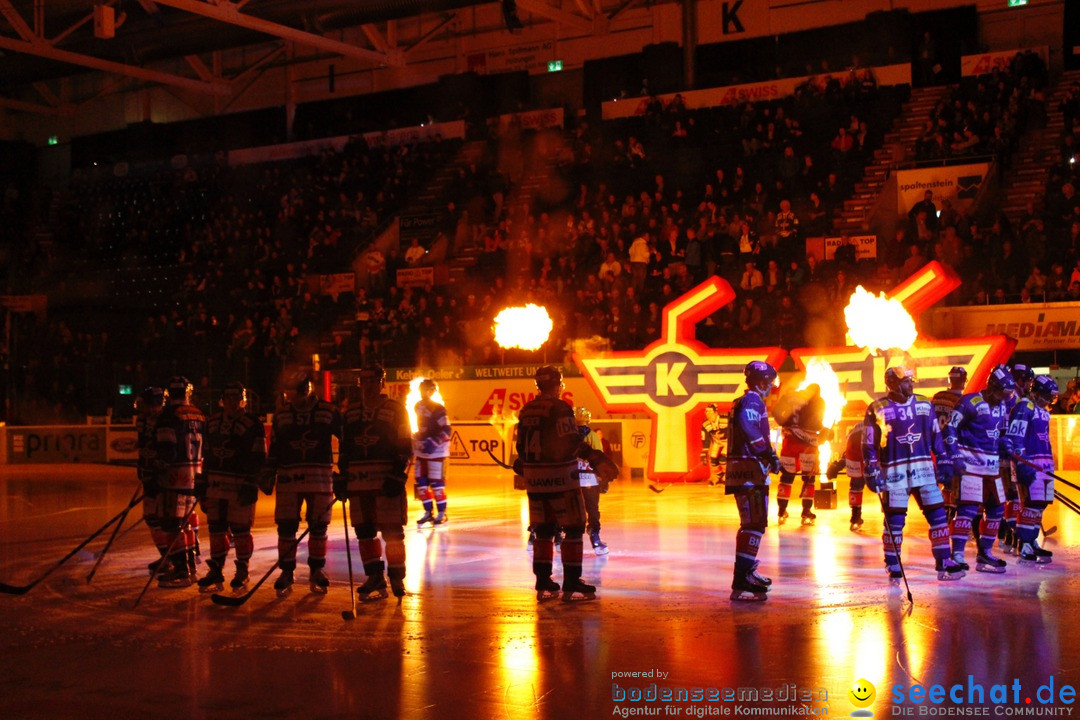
[237, 601]
[348, 614]
[164, 559]
[1067, 502]
[896, 550]
[23, 589]
[112, 538]
[1060, 479]
[494, 459]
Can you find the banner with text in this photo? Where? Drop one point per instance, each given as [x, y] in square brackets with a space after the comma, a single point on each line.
[959, 183]
[865, 246]
[427, 131]
[986, 63]
[532, 120]
[1036, 327]
[56, 444]
[531, 57]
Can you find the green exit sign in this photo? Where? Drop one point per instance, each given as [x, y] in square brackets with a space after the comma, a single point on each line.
[54, 140]
[1017, 3]
[556, 65]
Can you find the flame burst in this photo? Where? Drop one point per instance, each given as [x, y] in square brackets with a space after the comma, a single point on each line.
[820, 372]
[414, 397]
[877, 322]
[523, 327]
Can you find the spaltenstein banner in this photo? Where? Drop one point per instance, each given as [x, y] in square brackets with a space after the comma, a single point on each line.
[532, 120]
[1036, 327]
[986, 63]
[749, 92]
[959, 183]
[427, 131]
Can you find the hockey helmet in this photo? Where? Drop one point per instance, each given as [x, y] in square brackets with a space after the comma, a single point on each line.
[151, 397]
[304, 386]
[1044, 390]
[548, 377]
[235, 390]
[180, 389]
[958, 376]
[1000, 383]
[1024, 376]
[373, 373]
[582, 415]
[760, 375]
[428, 387]
[900, 380]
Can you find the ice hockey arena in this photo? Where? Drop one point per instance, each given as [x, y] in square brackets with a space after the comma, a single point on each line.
[539, 358]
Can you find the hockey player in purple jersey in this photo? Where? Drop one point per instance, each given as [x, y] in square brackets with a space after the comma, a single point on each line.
[235, 453]
[902, 442]
[750, 460]
[1029, 438]
[431, 446]
[1024, 377]
[301, 458]
[975, 442]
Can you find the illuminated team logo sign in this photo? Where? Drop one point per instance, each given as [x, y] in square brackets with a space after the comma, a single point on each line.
[862, 372]
[673, 378]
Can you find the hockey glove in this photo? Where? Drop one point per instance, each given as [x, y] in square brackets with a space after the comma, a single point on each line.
[773, 464]
[945, 473]
[602, 465]
[150, 488]
[247, 494]
[873, 478]
[1025, 474]
[201, 486]
[266, 480]
[392, 487]
[834, 468]
[518, 467]
[341, 486]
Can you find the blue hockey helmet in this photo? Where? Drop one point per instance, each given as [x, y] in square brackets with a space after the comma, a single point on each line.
[760, 375]
[1044, 390]
[900, 380]
[1000, 383]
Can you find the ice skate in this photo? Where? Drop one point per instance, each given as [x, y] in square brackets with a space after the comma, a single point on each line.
[856, 525]
[745, 588]
[958, 558]
[759, 578]
[441, 519]
[284, 582]
[374, 588]
[856, 519]
[546, 589]
[1042, 556]
[176, 577]
[320, 583]
[530, 541]
[986, 562]
[426, 519]
[240, 579]
[1031, 554]
[599, 546]
[397, 586]
[808, 517]
[572, 589]
[781, 517]
[159, 566]
[214, 581]
[948, 569]
[895, 576]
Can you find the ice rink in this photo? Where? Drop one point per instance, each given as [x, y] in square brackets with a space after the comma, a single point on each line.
[470, 641]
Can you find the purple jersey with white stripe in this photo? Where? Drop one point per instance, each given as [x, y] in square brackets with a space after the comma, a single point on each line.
[974, 435]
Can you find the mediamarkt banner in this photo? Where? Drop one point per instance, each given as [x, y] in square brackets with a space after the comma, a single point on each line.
[1036, 327]
[959, 183]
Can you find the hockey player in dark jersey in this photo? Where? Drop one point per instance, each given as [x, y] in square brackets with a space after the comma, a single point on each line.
[801, 414]
[431, 445]
[1029, 438]
[974, 440]
[375, 451]
[852, 461]
[547, 457]
[178, 451]
[902, 442]
[302, 462]
[750, 460]
[944, 401]
[235, 453]
[149, 406]
[1024, 377]
[712, 443]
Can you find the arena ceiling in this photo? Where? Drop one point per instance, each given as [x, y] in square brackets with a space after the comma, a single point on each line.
[43, 42]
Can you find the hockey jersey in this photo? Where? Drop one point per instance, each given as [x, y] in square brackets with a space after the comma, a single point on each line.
[432, 439]
[302, 447]
[974, 435]
[547, 443]
[146, 441]
[853, 451]
[179, 445]
[944, 403]
[235, 452]
[712, 438]
[1029, 437]
[912, 441]
[376, 443]
[585, 472]
[750, 448]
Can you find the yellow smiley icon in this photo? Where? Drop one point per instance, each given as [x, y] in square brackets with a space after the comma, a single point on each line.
[862, 693]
